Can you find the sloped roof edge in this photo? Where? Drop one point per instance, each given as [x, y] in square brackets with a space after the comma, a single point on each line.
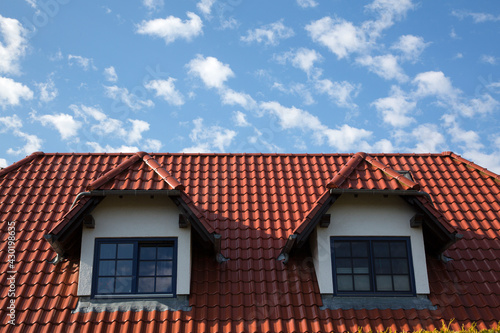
[19, 163]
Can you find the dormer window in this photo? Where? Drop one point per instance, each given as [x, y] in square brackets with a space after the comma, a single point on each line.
[135, 266]
[372, 266]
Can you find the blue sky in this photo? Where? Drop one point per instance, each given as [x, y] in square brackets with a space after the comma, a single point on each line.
[295, 76]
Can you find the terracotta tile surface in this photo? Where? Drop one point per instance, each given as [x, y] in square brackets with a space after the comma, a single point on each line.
[254, 201]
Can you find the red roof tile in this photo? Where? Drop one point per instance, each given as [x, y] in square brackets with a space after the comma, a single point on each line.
[255, 201]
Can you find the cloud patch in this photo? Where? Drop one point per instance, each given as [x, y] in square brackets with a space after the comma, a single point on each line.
[166, 90]
[172, 28]
[269, 34]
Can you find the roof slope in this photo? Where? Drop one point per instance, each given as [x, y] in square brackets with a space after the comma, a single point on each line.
[255, 201]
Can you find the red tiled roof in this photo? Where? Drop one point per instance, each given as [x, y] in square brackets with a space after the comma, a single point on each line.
[254, 201]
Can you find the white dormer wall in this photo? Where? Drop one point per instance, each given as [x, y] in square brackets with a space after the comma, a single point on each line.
[137, 217]
[368, 215]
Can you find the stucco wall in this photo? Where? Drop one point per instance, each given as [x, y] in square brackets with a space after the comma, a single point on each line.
[136, 217]
[368, 215]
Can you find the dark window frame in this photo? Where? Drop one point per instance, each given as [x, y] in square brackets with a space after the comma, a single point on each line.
[372, 276]
[137, 244]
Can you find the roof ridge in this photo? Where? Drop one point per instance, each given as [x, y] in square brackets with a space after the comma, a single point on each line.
[392, 173]
[113, 172]
[471, 164]
[342, 175]
[19, 163]
[161, 171]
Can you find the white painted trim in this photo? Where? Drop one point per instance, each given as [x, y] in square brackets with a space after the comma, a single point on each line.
[368, 215]
[136, 217]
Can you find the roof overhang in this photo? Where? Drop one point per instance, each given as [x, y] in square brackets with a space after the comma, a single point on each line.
[436, 236]
[63, 238]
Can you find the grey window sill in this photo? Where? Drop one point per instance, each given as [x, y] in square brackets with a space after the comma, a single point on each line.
[139, 303]
[419, 302]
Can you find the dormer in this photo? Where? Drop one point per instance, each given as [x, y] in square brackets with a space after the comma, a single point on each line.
[132, 232]
[370, 232]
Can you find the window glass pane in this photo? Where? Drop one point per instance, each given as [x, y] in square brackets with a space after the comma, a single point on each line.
[147, 268]
[164, 268]
[165, 252]
[344, 283]
[399, 266]
[401, 283]
[123, 285]
[398, 249]
[362, 282]
[359, 249]
[382, 266]
[342, 249]
[361, 266]
[148, 253]
[106, 267]
[384, 283]
[343, 266]
[380, 249]
[146, 285]
[105, 285]
[125, 251]
[164, 285]
[107, 251]
[124, 267]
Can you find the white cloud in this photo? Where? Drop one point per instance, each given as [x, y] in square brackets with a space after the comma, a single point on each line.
[205, 6]
[341, 93]
[110, 74]
[153, 145]
[13, 44]
[307, 3]
[135, 133]
[11, 92]
[292, 117]
[434, 84]
[210, 70]
[48, 90]
[395, 108]
[411, 47]
[65, 124]
[269, 34]
[346, 137]
[153, 4]
[490, 161]
[172, 28]
[388, 12]
[385, 66]
[240, 119]
[208, 139]
[166, 90]
[339, 36]
[302, 58]
[85, 63]
[14, 124]
[484, 104]
[109, 149]
[476, 17]
[429, 139]
[104, 126]
[3, 163]
[489, 59]
[470, 140]
[129, 99]
[231, 97]
[297, 89]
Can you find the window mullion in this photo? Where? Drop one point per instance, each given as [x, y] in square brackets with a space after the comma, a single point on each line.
[135, 278]
[372, 267]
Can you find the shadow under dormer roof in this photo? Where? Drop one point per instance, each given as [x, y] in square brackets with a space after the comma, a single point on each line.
[363, 174]
[138, 175]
